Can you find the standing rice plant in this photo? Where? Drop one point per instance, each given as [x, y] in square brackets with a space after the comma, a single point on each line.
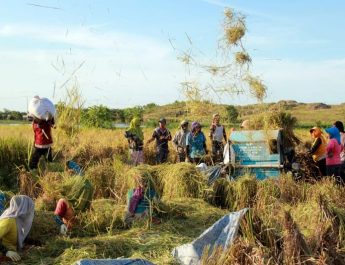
[295, 249]
[292, 192]
[29, 184]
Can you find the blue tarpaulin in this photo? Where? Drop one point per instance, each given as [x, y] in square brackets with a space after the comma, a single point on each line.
[220, 234]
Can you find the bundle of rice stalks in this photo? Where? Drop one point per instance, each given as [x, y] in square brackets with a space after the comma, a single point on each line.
[104, 216]
[29, 184]
[43, 227]
[148, 175]
[181, 180]
[242, 58]
[234, 34]
[222, 194]
[51, 184]
[256, 87]
[102, 177]
[308, 170]
[295, 249]
[245, 188]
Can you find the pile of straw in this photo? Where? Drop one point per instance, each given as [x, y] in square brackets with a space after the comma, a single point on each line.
[242, 58]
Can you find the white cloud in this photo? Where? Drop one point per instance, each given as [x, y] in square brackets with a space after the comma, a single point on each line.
[119, 69]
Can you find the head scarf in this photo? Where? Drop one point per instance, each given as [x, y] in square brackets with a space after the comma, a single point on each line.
[134, 128]
[195, 125]
[340, 126]
[317, 131]
[22, 208]
[334, 133]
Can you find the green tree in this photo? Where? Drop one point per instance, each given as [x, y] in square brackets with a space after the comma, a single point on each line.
[130, 113]
[97, 116]
[232, 113]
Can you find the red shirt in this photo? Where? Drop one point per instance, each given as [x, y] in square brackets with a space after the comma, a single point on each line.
[42, 132]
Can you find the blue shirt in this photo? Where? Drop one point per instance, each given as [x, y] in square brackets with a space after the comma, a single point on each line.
[196, 145]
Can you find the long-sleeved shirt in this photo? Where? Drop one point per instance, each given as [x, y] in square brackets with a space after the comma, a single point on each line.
[333, 152]
[8, 233]
[179, 139]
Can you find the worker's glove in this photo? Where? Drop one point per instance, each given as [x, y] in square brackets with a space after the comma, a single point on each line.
[63, 230]
[14, 256]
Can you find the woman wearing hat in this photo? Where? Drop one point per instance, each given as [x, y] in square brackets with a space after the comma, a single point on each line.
[318, 149]
[179, 141]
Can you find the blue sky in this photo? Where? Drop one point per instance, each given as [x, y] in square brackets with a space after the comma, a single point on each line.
[127, 58]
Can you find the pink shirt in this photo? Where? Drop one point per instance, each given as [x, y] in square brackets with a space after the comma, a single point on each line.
[333, 153]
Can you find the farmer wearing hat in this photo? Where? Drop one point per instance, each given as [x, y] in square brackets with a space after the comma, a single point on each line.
[135, 137]
[217, 133]
[179, 141]
[318, 149]
[162, 136]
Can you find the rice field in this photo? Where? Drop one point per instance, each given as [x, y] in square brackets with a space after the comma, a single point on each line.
[288, 223]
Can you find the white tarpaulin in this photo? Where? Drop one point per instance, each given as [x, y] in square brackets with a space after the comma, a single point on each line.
[220, 234]
[229, 154]
[41, 108]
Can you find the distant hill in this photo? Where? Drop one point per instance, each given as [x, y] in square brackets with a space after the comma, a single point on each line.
[308, 114]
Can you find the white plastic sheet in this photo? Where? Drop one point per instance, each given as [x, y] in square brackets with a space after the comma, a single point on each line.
[41, 108]
[220, 234]
[229, 154]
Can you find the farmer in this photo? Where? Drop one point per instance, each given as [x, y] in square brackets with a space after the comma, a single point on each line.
[15, 225]
[334, 148]
[162, 136]
[42, 141]
[78, 195]
[217, 133]
[340, 127]
[140, 200]
[135, 139]
[196, 144]
[179, 141]
[318, 149]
